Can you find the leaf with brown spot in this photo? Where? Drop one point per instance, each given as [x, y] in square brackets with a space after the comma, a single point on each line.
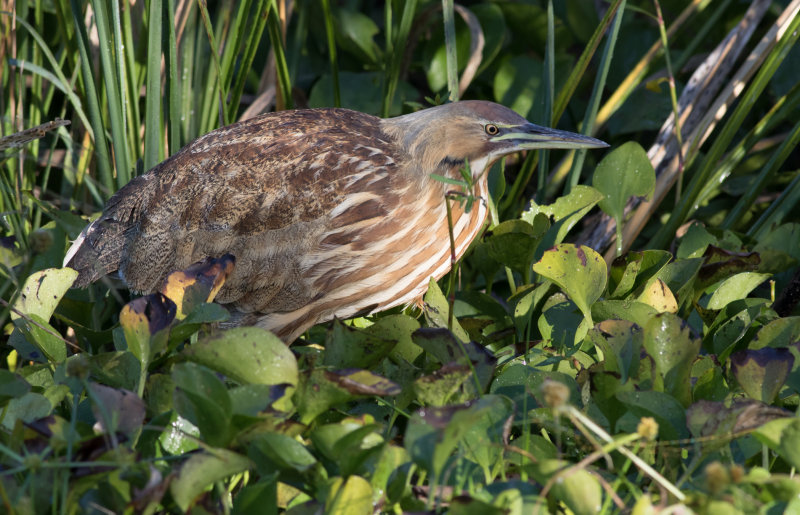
[145, 322]
[197, 284]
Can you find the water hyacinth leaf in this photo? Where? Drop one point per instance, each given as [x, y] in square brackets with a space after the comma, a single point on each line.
[27, 408]
[352, 495]
[658, 295]
[514, 242]
[280, 451]
[119, 369]
[779, 249]
[434, 433]
[202, 470]
[40, 335]
[42, 292]
[399, 329]
[254, 399]
[780, 332]
[349, 347]
[672, 349]
[202, 399]
[762, 373]
[621, 343]
[565, 212]
[444, 347]
[485, 441]
[197, 284]
[116, 410]
[735, 288]
[443, 386]
[579, 271]
[721, 264]
[12, 386]
[355, 33]
[783, 437]
[632, 310]
[249, 355]
[680, 277]
[664, 408]
[320, 389]
[632, 270]
[259, 498]
[623, 173]
[145, 322]
[339, 442]
[561, 322]
[526, 301]
[436, 309]
[733, 324]
[579, 490]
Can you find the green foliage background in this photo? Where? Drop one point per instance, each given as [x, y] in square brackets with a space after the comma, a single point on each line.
[535, 379]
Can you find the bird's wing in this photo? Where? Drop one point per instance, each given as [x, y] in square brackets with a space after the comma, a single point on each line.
[270, 190]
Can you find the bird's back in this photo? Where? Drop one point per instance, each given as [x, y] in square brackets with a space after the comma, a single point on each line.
[270, 190]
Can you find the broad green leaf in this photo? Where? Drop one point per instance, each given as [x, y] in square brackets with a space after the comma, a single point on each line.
[561, 322]
[444, 347]
[632, 310]
[202, 398]
[41, 335]
[658, 295]
[259, 498]
[119, 369]
[668, 412]
[436, 309]
[319, 390]
[514, 242]
[517, 82]
[783, 437]
[623, 173]
[348, 347]
[249, 355]
[355, 32]
[202, 470]
[621, 342]
[669, 344]
[763, 372]
[42, 292]
[781, 332]
[579, 271]
[399, 329]
[352, 495]
[565, 212]
[12, 386]
[579, 490]
[283, 452]
[632, 270]
[28, 407]
[735, 288]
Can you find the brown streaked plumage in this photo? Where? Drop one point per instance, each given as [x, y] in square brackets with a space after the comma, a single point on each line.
[329, 212]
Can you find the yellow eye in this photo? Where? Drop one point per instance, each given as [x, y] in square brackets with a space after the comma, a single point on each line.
[491, 129]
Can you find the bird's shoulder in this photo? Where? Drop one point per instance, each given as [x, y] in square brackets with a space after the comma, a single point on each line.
[270, 172]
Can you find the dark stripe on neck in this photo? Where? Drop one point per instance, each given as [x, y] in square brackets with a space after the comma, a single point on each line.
[451, 162]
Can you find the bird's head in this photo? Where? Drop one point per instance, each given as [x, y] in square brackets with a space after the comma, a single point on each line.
[445, 137]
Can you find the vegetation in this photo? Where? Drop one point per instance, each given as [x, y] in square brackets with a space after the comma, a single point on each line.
[535, 378]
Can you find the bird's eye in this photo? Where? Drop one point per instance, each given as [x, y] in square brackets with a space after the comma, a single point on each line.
[491, 129]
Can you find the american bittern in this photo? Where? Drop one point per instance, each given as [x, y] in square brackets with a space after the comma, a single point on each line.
[328, 212]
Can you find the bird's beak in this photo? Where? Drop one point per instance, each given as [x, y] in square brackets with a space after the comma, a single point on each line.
[529, 136]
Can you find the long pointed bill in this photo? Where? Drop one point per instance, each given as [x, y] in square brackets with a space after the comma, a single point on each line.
[529, 137]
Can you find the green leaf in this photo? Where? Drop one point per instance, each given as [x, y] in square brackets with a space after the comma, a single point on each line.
[12, 386]
[41, 335]
[735, 288]
[436, 309]
[348, 347]
[579, 490]
[146, 322]
[579, 271]
[669, 344]
[565, 212]
[249, 355]
[621, 342]
[632, 271]
[514, 242]
[763, 372]
[668, 412]
[352, 495]
[202, 399]
[202, 470]
[42, 292]
[283, 452]
[623, 173]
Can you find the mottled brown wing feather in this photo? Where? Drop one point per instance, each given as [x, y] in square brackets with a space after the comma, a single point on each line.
[265, 190]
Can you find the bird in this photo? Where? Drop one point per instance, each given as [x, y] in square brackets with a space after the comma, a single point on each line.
[328, 212]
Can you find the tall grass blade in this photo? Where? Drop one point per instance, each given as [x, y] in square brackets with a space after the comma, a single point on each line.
[451, 51]
[152, 105]
[333, 58]
[395, 54]
[284, 81]
[594, 101]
